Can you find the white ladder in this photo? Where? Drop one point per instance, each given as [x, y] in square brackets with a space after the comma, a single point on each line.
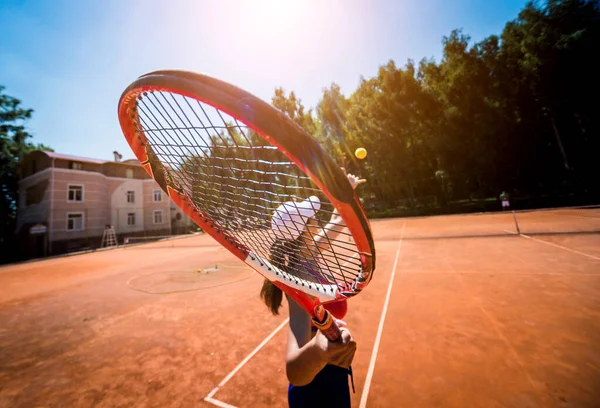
[109, 237]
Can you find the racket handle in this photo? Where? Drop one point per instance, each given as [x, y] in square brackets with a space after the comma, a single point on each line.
[325, 322]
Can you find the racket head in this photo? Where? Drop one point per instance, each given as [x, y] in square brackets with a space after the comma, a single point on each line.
[160, 114]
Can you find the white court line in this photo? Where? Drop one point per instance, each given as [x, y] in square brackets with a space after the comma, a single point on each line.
[219, 403]
[496, 274]
[209, 397]
[365, 393]
[571, 215]
[561, 247]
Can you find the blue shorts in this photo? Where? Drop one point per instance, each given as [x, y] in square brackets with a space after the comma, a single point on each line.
[328, 389]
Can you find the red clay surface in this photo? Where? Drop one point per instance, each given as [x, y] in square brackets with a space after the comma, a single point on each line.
[486, 320]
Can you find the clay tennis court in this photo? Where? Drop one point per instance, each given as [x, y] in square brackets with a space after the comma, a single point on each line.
[462, 312]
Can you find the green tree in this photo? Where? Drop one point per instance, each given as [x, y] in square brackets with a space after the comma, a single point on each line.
[397, 119]
[464, 85]
[14, 145]
[334, 133]
[549, 52]
[294, 109]
[514, 112]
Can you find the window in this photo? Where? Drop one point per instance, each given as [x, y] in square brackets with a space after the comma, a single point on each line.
[75, 165]
[74, 221]
[157, 195]
[131, 196]
[129, 173]
[158, 217]
[33, 166]
[131, 219]
[75, 193]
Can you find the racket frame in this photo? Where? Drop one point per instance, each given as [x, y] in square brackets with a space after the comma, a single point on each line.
[292, 141]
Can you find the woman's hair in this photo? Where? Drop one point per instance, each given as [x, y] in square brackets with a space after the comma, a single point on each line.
[280, 250]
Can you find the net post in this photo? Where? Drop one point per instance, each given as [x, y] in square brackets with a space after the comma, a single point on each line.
[516, 222]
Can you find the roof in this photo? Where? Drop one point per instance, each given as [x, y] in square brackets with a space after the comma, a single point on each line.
[54, 155]
[61, 156]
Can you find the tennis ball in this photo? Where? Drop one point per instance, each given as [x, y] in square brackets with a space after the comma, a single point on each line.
[361, 153]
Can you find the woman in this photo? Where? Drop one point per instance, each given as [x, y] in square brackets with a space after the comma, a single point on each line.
[317, 369]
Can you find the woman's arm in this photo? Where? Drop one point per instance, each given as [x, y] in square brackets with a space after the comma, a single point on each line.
[335, 226]
[307, 356]
[303, 359]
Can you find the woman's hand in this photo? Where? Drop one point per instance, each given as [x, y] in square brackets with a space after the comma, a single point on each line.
[339, 353]
[336, 225]
[354, 181]
[306, 355]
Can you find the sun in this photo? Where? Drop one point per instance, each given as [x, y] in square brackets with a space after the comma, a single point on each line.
[276, 14]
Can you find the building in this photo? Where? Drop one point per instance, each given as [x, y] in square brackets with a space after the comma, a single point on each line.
[66, 202]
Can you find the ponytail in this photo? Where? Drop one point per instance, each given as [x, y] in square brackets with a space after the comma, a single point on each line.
[271, 294]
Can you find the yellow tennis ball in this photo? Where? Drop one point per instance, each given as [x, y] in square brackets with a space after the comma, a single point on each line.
[361, 153]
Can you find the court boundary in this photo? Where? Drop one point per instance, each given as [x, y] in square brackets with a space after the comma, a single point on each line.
[583, 207]
[553, 244]
[365, 392]
[560, 246]
[209, 398]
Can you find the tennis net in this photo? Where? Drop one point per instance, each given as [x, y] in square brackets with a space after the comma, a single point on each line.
[557, 221]
[164, 241]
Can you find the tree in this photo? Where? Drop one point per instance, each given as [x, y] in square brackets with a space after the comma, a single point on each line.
[14, 145]
[548, 51]
[291, 106]
[514, 112]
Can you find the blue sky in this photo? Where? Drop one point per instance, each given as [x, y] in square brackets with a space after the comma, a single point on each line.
[70, 60]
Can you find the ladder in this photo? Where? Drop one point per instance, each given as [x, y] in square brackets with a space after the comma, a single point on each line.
[109, 237]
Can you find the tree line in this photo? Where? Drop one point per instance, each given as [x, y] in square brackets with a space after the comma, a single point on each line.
[515, 112]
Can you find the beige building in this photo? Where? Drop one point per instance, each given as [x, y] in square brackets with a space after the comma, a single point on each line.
[66, 202]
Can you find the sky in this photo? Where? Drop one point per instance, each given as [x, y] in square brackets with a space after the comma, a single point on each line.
[70, 60]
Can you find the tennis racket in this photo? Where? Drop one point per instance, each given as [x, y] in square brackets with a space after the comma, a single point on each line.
[229, 160]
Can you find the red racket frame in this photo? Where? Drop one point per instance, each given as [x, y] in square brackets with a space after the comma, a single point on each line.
[296, 144]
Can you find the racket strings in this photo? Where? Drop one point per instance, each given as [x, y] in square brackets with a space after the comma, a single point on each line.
[237, 179]
[271, 183]
[309, 266]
